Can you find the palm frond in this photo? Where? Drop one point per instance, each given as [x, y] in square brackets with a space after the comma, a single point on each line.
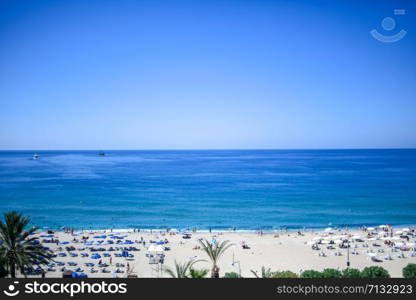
[181, 270]
[19, 249]
[198, 273]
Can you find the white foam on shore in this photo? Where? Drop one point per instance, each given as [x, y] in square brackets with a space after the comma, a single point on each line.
[265, 231]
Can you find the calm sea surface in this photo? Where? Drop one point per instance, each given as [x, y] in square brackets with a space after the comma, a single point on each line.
[219, 189]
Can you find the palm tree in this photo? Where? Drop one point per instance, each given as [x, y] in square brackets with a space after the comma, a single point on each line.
[18, 249]
[198, 273]
[181, 269]
[3, 268]
[214, 252]
[265, 273]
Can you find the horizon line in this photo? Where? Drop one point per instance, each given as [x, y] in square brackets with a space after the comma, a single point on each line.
[214, 149]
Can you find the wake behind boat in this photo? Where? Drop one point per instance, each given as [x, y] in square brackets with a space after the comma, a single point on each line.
[35, 156]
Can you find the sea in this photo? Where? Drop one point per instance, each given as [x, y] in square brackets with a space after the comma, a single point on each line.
[210, 189]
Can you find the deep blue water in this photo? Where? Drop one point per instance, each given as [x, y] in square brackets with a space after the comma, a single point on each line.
[219, 189]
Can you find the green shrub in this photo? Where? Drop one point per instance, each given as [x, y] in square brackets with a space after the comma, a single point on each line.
[284, 274]
[311, 274]
[409, 271]
[331, 273]
[351, 273]
[375, 272]
[232, 275]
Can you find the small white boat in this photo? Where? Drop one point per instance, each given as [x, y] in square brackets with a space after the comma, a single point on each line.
[35, 156]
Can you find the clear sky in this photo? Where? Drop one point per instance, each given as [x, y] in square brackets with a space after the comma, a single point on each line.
[120, 74]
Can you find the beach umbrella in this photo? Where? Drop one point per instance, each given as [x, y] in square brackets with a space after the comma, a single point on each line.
[372, 239]
[311, 243]
[317, 238]
[371, 254]
[160, 243]
[398, 232]
[96, 256]
[329, 229]
[406, 229]
[383, 226]
[152, 248]
[127, 242]
[47, 235]
[337, 241]
[160, 248]
[399, 244]
[370, 228]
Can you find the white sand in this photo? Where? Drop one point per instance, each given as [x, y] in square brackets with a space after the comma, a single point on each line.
[286, 252]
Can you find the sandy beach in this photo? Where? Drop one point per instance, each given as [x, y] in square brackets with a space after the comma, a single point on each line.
[279, 251]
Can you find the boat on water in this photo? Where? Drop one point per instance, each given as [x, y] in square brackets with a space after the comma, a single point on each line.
[35, 156]
[101, 153]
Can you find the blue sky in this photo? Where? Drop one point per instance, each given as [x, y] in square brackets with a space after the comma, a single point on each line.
[205, 75]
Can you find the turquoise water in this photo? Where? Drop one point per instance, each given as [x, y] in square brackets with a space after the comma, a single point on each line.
[218, 189]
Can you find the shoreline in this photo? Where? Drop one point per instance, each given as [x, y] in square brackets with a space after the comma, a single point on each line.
[225, 230]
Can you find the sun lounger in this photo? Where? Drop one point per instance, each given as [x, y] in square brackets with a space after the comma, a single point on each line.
[103, 265]
[376, 259]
